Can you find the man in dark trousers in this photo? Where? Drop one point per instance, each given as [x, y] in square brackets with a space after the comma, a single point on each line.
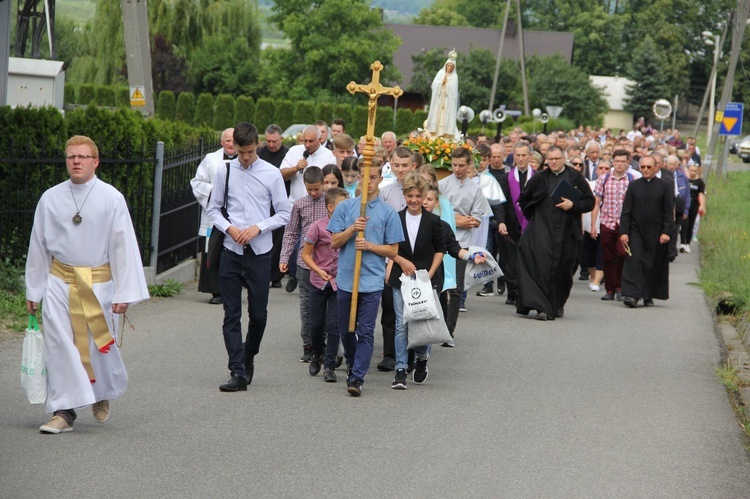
[273, 152]
[645, 228]
[548, 249]
[510, 219]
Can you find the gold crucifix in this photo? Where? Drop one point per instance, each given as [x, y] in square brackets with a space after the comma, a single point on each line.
[373, 90]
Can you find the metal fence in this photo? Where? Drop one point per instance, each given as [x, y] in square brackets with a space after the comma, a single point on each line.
[26, 173]
[179, 218]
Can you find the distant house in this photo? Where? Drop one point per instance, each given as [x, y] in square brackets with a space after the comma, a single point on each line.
[615, 91]
[417, 38]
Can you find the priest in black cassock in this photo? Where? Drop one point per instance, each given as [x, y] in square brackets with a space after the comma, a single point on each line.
[548, 249]
[645, 224]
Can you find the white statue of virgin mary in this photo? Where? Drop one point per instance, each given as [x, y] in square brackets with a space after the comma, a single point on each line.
[441, 120]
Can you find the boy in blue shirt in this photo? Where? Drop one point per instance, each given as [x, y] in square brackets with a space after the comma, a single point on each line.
[382, 231]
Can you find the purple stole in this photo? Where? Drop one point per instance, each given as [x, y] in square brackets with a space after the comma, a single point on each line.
[515, 191]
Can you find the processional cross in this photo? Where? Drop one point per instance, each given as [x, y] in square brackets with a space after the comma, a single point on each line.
[373, 90]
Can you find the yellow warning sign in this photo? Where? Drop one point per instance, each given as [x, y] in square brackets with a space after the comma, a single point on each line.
[137, 98]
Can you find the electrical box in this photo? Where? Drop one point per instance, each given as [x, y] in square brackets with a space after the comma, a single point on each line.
[35, 82]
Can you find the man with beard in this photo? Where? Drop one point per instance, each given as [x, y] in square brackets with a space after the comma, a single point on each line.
[645, 228]
[548, 249]
[273, 152]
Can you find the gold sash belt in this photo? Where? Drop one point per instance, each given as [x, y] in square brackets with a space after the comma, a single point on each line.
[85, 310]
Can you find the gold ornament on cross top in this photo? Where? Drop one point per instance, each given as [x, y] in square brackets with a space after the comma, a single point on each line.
[374, 89]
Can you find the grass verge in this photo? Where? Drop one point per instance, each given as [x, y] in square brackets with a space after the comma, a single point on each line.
[725, 246]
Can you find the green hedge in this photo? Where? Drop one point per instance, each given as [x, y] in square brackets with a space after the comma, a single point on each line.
[245, 110]
[185, 107]
[167, 105]
[284, 114]
[204, 110]
[264, 113]
[223, 112]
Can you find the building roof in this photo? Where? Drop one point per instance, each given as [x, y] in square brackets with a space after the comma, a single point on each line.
[614, 88]
[417, 38]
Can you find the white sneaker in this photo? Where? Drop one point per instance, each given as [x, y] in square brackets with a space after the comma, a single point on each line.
[687, 248]
[593, 287]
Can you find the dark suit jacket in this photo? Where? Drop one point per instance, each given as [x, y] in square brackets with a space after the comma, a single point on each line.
[588, 171]
[429, 241]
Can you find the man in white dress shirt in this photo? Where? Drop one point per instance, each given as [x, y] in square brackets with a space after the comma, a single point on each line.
[85, 265]
[299, 157]
[255, 186]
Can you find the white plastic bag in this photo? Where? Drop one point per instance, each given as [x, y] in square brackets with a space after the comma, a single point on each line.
[33, 366]
[419, 302]
[428, 332]
[483, 272]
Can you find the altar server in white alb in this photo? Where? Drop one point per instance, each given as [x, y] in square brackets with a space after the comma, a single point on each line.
[84, 266]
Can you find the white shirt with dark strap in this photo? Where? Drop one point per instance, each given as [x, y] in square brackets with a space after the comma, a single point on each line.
[105, 235]
[252, 193]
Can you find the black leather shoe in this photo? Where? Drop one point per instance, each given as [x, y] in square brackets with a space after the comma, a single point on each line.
[291, 285]
[249, 368]
[314, 367]
[560, 313]
[608, 297]
[275, 284]
[584, 276]
[630, 302]
[511, 300]
[216, 300]
[235, 384]
[648, 303]
[500, 286]
[542, 316]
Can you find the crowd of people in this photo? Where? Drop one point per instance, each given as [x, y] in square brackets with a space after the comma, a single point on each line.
[619, 207]
[542, 205]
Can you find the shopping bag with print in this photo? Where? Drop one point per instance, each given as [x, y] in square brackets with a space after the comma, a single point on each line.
[33, 366]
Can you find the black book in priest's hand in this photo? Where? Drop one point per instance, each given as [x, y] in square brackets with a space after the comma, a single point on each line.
[565, 190]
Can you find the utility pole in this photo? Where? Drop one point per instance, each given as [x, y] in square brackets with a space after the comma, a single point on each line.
[712, 79]
[499, 56]
[523, 61]
[738, 32]
[4, 49]
[138, 55]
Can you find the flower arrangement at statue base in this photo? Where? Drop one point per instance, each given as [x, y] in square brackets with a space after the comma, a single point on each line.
[435, 150]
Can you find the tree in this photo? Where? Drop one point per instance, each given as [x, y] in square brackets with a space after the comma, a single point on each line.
[167, 68]
[313, 66]
[554, 82]
[650, 84]
[441, 13]
[224, 65]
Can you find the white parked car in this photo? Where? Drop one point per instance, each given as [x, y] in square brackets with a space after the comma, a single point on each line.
[743, 151]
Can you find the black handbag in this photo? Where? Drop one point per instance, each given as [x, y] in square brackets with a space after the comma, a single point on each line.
[216, 240]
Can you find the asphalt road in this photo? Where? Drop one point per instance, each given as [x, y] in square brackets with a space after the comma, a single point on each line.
[607, 402]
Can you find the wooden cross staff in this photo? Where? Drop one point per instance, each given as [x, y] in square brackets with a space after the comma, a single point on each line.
[373, 90]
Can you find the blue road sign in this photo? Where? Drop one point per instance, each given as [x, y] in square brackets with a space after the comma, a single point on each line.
[731, 121]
